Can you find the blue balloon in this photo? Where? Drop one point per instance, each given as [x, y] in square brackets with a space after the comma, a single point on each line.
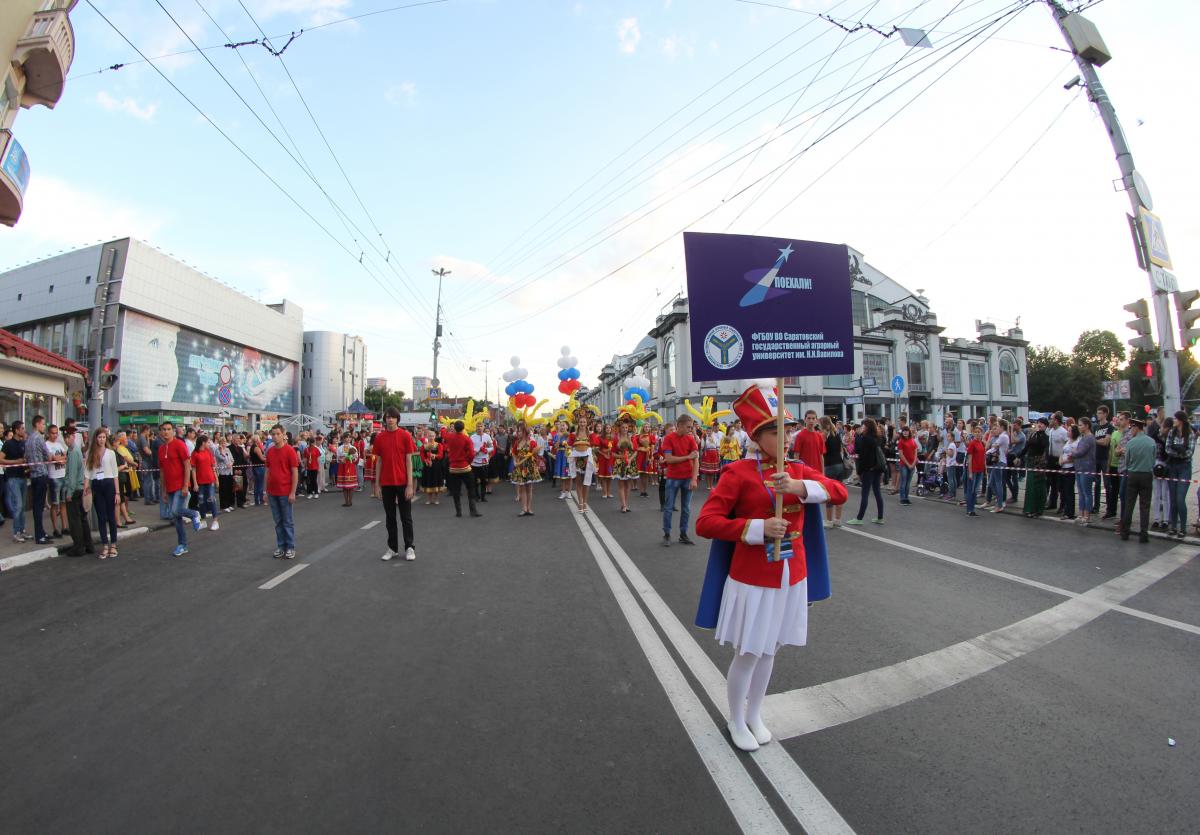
[510, 389]
[573, 373]
[524, 387]
[564, 374]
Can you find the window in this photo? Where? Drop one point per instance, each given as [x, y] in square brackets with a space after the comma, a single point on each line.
[19, 295]
[1008, 375]
[916, 368]
[669, 365]
[87, 280]
[51, 288]
[878, 366]
[977, 371]
[838, 381]
[951, 377]
[858, 303]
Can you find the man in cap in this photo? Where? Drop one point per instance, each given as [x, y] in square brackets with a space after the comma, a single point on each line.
[1138, 456]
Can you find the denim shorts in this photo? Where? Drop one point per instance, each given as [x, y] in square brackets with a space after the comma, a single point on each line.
[58, 490]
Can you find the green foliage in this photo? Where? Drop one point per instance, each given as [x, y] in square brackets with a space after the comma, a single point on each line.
[1100, 350]
[379, 399]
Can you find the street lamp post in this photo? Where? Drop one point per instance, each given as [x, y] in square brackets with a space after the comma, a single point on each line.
[440, 272]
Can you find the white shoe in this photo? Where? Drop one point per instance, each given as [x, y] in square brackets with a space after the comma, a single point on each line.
[828, 524]
[388, 555]
[410, 554]
[742, 737]
[215, 526]
[229, 510]
[203, 525]
[761, 734]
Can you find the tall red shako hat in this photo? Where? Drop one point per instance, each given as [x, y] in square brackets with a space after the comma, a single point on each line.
[758, 406]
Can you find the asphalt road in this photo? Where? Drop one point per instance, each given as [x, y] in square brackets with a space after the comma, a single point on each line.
[541, 675]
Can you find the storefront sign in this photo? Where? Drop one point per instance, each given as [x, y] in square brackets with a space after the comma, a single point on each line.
[767, 307]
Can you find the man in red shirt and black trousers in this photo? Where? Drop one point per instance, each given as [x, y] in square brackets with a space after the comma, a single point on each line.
[681, 454]
[809, 446]
[459, 452]
[394, 449]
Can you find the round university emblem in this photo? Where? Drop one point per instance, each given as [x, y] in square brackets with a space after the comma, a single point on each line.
[723, 347]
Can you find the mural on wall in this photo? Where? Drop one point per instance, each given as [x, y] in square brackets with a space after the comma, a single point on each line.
[162, 362]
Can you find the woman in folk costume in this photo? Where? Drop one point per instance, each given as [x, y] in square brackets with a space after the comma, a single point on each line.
[580, 456]
[710, 455]
[624, 458]
[347, 474]
[368, 454]
[604, 460]
[562, 467]
[647, 440]
[525, 471]
[761, 604]
[731, 449]
[433, 475]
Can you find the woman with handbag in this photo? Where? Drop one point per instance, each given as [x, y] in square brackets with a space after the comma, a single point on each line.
[868, 448]
[835, 468]
[100, 484]
[1179, 446]
[224, 463]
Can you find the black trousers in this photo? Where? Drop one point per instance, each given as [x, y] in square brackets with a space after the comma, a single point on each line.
[1066, 486]
[455, 482]
[1138, 488]
[1052, 479]
[225, 491]
[480, 474]
[1112, 491]
[77, 524]
[393, 498]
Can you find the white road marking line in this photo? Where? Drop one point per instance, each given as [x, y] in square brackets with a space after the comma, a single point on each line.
[751, 810]
[1004, 575]
[370, 525]
[816, 708]
[805, 801]
[275, 581]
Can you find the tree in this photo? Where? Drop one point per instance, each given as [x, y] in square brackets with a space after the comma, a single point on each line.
[1048, 368]
[1100, 350]
[379, 399]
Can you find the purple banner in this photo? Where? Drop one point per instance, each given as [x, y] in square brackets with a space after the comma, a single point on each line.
[767, 307]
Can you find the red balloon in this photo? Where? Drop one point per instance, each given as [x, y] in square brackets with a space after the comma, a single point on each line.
[576, 385]
[528, 400]
[565, 387]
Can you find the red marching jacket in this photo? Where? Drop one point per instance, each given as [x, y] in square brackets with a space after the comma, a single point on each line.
[740, 497]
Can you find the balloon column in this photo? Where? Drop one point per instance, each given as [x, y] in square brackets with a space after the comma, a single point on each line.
[521, 403]
[568, 374]
[637, 383]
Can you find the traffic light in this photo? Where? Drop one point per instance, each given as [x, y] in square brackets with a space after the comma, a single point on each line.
[1141, 324]
[108, 373]
[1188, 332]
[1150, 383]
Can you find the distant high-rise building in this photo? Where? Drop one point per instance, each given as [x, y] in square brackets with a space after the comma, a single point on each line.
[377, 382]
[420, 390]
[335, 367]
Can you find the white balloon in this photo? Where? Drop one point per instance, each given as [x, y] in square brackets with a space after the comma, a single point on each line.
[506, 377]
[521, 373]
[574, 362]
[637, 369]
[565, 350]
[514, 361]
[564, 362]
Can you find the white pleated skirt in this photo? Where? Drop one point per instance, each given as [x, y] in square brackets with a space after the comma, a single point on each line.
[759, 620]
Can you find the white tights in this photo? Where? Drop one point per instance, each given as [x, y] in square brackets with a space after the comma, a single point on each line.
[746, 687]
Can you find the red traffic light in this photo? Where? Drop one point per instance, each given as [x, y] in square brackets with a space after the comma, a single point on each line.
[110, 365]
[1147, 369]
[1147, 408]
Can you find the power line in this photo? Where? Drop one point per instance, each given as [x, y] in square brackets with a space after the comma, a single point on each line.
[1008, 14]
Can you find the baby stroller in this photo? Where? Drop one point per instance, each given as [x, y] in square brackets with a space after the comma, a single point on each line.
[931, 481]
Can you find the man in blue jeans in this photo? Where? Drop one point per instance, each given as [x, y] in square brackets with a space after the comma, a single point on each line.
[36, 456]
[283, 474]
[681, 454]
[16, 477]
[175, 466]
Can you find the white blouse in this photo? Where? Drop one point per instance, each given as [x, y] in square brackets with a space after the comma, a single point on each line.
[107, 468]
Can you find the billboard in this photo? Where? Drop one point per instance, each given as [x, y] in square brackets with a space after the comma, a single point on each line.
[162, 362]
[768, 307]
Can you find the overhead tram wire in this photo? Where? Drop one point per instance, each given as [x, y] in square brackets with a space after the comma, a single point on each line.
[272, 134]
[406, 279]
[1004, 19]
[496, 258]
[620, 225]
[144, 60]
[650, 171]
[238, 147]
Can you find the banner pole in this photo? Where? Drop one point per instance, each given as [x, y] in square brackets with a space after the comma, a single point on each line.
[780, 454]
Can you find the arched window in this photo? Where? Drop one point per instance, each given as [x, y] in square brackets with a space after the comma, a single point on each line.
[1008, 374]
[917, 377]
[669, 365]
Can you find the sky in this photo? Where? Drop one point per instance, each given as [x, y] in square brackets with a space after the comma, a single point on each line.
[549, 154]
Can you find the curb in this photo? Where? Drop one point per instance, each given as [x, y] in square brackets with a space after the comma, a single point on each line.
[50, 552]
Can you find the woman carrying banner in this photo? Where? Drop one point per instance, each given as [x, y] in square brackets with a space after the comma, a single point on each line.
[763, 603]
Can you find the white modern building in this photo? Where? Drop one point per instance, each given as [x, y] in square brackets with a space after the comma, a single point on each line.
[895, 335]
[377, 382]
[334, 373]
[420, 389]
[187, 347]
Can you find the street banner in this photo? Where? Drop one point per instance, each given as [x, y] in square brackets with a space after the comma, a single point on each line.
[767, 307]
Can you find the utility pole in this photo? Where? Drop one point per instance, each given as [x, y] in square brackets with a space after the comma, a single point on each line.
[440, 272]
[1087, 47]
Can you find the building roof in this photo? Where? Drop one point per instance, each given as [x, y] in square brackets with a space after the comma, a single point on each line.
[14, 346]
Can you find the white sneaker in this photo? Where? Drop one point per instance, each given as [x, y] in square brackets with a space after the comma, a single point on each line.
[410, 554]
[215, 526]
[229, 510]
[203, 525]
[388, 555]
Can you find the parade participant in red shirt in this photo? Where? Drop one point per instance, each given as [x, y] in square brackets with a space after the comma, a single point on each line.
[460, 450]
[204, 480]
[176, 467]
[394, 449]
[283, 474]
[312, 465]
[681, 456]
[764, 601]
[809, 446]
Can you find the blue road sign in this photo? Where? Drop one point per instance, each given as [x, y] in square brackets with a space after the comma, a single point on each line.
[897, 385]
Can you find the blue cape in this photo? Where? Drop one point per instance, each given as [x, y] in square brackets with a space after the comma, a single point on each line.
[720, 555]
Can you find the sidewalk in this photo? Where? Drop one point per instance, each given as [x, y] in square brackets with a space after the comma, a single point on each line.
[14, 555]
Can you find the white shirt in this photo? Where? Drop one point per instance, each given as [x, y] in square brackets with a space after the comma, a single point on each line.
[57, 448]
[107, 468]
[191, 445]
[483, 446]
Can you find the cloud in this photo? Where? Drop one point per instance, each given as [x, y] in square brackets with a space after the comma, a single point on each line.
[404, 93]
[467, 271]
[675, 45]
[313, 11]
[628, 35]
[126, 105]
